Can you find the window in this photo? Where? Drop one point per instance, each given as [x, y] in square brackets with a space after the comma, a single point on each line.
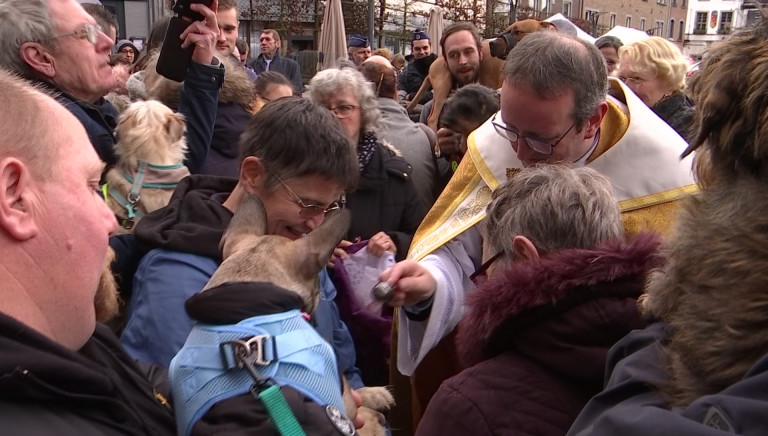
[700, 27]
[671, 29]
[684, 4]
[682, 27]
[661, 2]
[726, 22]
[567, 9]
[658, 29]
[673, 3]
[642, 24]
[613, 21]
[628, 22]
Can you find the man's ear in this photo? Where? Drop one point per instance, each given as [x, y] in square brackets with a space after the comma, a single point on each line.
[252, 174]
[16, 217]
[524, 248]
[594, 120]
[38, 58]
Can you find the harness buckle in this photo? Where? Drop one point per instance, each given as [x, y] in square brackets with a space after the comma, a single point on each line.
[248, 350]
[133, 198]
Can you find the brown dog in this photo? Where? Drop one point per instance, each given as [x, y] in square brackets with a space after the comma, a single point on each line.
[251, 256]
[491, 70]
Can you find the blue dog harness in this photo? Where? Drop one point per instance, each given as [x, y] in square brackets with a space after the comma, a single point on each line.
[283, 348]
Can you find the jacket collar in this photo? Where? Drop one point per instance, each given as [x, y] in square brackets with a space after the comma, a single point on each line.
[233, 302]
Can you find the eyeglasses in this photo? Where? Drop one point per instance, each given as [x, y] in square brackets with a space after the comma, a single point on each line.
[483, 270]
[537, 145]
[343, 110]
[309, 210]
[636, 80]
[89, 32]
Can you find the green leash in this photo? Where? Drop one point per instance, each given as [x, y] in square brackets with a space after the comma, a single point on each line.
[281, 413]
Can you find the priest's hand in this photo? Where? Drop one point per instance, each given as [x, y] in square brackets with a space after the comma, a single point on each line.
[412, 283]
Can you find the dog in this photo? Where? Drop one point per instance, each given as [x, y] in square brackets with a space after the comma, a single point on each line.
[251, 256]
[491, 67]
[150, 151]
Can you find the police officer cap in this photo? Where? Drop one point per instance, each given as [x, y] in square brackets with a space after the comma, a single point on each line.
[419, 34]
[356, 40]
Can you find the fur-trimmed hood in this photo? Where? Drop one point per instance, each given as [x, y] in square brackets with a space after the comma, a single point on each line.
[535, 296]
[237, 87]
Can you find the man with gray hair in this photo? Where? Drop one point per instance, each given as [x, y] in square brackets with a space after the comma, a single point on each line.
[554, 109]
[57, 44]
[559, 272]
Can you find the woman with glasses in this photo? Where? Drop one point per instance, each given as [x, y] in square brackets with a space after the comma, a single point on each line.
[655, 70]
[385, 207]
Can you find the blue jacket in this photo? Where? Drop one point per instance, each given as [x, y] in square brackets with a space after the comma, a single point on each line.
[287, 67]
[187, 232]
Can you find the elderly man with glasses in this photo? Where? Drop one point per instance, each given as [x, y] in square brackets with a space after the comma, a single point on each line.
[57, 44]
[554, 109]
[295, 156]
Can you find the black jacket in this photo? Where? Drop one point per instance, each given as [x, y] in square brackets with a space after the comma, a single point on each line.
[677, 111]
[285, 66]
[414, 75]
[386, 200]
[99, 390]
[99, 120]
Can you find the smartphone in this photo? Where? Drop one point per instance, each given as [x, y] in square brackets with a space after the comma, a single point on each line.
[174, 60]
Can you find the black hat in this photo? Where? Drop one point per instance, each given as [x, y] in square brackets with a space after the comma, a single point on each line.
[357, 40]
[419, 34]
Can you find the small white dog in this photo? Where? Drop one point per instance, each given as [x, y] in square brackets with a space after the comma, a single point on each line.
[151, 148]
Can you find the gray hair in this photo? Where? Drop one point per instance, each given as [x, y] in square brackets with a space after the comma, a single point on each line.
[23, 21]
[556, 207]
[552, 63]
[329, 82]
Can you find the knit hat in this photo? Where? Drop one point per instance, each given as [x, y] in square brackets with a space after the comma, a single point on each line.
[419, 34]
[357, 40]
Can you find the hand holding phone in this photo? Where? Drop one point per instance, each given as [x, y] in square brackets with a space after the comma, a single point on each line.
[191, 35]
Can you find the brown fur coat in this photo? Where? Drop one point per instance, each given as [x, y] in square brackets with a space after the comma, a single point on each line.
[712, 293]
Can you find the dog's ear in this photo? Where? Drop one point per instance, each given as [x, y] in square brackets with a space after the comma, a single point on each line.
[249, 220]
[314, 250]
[175, 126]
[546, 25]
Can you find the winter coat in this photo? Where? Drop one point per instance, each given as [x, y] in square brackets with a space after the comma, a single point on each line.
[677, 111]
[386, 200]
[414, 145]
[536, 338]
[231, 116]
[99, 120]
[414, 76]
[185, 239]
[46, 389]
[285, 66]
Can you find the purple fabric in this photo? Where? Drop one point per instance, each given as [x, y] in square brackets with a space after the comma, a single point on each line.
[371, 332]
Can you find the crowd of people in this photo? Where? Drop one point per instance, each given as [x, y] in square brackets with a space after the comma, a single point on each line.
[577, 252]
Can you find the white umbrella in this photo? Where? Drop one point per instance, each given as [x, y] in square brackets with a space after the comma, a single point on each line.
[435, 28]
[627, 35]
[333, 39]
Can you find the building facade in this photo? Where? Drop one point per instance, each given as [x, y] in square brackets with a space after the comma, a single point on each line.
[710, 21]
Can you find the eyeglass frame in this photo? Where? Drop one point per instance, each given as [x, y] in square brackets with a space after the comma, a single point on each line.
[340, 116]
[637, 80]
[92, 36]
[484, 267]
[313, 209]
[506, 131]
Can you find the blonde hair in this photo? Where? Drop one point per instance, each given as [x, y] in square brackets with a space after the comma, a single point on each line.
[385, 52]
[657, 56]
